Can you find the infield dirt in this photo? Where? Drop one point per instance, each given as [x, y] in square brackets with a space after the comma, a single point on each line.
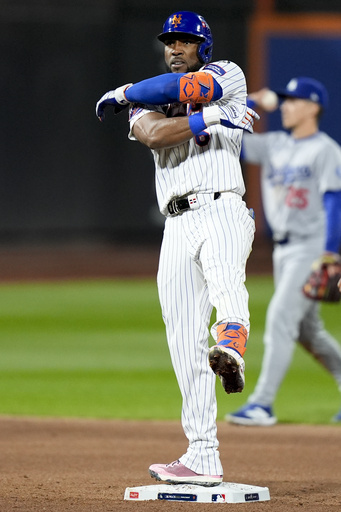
[62, 465]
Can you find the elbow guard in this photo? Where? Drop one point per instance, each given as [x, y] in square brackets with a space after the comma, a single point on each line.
[198, 87]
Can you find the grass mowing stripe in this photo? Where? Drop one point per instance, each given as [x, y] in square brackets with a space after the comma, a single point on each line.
[80, 305]
[85, 350]
[95, 394]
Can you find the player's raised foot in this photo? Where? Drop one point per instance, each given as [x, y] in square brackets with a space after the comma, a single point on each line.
[337, 417]
[229, 366]
[177, 473]
[253, 415]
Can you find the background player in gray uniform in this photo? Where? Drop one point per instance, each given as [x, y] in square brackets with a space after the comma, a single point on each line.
[193, 119]
[301, 191]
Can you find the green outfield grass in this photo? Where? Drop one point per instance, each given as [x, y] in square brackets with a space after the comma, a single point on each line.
[98, 349]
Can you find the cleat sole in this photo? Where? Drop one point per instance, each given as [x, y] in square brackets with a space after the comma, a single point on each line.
[228, 370]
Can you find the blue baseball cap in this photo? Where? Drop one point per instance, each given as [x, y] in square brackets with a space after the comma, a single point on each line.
[305, 88]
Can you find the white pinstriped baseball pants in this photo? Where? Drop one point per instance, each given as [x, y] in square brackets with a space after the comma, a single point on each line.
[202, 265]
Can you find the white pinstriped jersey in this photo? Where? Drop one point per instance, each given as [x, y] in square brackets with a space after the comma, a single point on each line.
[295, 175]
[208, 162]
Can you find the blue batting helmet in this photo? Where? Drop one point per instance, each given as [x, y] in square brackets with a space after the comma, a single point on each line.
[191, 24]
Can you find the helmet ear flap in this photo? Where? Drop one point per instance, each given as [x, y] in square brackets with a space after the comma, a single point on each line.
[204, 54]
[208, 54]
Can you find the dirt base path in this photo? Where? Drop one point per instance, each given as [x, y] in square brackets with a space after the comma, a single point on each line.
[85, 465]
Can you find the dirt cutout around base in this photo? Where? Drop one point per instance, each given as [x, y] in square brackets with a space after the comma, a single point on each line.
[62, 465]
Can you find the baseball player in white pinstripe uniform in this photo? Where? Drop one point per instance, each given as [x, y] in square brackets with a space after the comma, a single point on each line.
[193, 120]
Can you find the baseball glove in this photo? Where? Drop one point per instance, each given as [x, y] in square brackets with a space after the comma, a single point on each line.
[322, 283]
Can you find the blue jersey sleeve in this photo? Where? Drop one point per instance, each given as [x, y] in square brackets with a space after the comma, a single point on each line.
[332, 206]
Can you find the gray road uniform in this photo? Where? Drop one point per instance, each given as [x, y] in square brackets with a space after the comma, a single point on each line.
[294, 176]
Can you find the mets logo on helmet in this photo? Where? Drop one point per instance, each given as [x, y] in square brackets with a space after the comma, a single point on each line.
[176, 20]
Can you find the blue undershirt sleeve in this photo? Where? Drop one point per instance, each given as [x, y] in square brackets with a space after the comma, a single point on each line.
[332, 206]
[161, 90]
[250, 103]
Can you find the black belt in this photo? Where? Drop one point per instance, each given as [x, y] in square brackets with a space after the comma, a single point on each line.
[176, 206]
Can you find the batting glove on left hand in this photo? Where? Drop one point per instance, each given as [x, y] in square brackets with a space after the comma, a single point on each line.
[231, 116]
[238, 117]
[115, 99]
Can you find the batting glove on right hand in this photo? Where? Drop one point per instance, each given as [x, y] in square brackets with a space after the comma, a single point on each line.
[115, 99]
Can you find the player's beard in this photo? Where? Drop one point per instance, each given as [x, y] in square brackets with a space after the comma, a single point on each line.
[190, 69]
